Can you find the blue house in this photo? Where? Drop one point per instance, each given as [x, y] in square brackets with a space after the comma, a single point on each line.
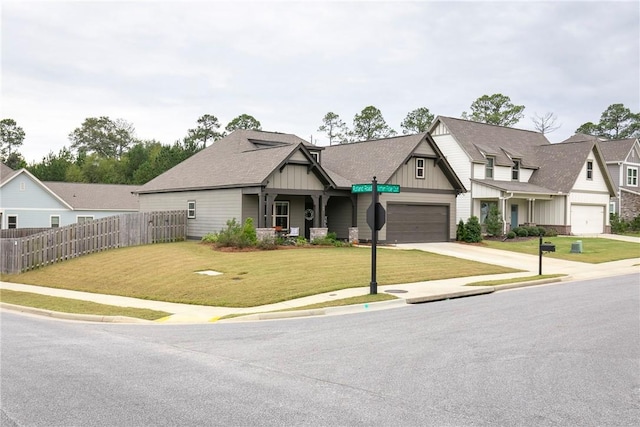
[27, 202]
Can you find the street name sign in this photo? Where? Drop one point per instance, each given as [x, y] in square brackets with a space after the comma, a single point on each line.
[382, 188]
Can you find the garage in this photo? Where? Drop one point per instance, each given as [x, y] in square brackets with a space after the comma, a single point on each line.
[408, 223]
[587, 219]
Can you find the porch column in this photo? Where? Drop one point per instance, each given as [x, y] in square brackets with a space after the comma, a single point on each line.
[270, 199]
[354, 210]
[261, 205]
[316, 206]
[325, 200]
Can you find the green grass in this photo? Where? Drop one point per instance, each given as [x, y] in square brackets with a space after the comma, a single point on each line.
[67, 305]
[595, 250]
[514, 280]
[166, 272]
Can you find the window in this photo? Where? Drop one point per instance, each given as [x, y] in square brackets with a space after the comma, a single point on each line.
[589, 169]
[488, 168]
[485, 207]
[515, 170]
[55, 221]
[12, 221]
[84, 218]
[420, 168]
[632, 177]
[281, 215]
[612, 207]
[191, 209]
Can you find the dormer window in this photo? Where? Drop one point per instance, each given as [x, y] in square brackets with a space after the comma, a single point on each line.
[420, 168]
[515, 170]
[488, 168]
[589, 170]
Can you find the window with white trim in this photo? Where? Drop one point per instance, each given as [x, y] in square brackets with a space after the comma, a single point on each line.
[612, 207]
[12, 221]
[81, 219]
[488, 168]
[515, 170]
[281, 215]
[632, 176]
[191, 209]
[589, 169]
[420, 162]
[54, 221]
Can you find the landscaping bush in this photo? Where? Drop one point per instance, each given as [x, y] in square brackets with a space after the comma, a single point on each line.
[460, 231]
[493, 222]
[550, 232]
[331, 239]
[532, 230]
[210, 238]
[473, 230]
[521, 231]
[237, 235]
[511, 235]
[267, 244]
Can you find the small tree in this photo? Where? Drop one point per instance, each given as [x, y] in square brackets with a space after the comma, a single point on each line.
[493, 222]
[460, 231]
[473, 230]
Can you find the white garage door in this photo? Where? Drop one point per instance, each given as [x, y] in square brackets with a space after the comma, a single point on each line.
[587, 219]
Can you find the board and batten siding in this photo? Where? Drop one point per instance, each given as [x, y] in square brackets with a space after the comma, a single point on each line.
[295, 177]
[550, 212]
[461, 164]
[364, 201]
[213, 208]
[434, 178]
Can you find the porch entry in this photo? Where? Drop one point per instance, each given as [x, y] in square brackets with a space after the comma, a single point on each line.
[514, 216]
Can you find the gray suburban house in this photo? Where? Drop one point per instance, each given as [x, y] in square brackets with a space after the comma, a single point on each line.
[282, 181]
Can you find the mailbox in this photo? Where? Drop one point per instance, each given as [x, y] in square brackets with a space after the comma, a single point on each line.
[547, 247]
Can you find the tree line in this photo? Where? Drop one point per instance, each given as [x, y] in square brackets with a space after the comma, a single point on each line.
[103, 150]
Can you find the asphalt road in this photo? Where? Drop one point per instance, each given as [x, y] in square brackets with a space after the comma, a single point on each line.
[566, 354]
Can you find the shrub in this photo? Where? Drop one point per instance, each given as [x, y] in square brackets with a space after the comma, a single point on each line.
[460, 231]
[634, 224]
[532, 230]
[267, 244]
[550, 232]
[331, 239]
[493, 222]
[473, 230]
[210, 238]
[521, 231]
[511, 235]
[300, 241]
[237, 235]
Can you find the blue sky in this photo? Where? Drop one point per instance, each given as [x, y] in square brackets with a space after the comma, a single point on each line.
[161, 65]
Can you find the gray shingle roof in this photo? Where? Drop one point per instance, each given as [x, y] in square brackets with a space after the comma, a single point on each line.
[515, 186]
[617, 150]
[5, 172]
[478, 139]
[243, 158]
[96, 196]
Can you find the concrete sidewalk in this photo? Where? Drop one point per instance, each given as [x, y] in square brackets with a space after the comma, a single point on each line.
[407, 293]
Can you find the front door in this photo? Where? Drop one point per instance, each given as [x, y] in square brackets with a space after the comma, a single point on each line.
[514, 216]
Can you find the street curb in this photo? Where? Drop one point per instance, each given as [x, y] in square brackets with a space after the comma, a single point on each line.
[531, 283]
[72, 316]
[451, 295]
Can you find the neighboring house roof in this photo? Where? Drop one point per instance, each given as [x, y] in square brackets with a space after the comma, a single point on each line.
[5, 172]
[359, 162]
[82, 196]
[242, 159]
[617, 150]
[479, 140]
[562, 163]
[515, 186]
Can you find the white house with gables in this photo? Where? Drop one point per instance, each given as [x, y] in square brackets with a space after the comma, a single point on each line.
[564, 186]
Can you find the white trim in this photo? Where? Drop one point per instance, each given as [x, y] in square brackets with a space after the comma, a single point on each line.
[9, 216]
[189, 209]
[589, 170]
[35, 209]
[492, 168]
[37, 181]
[274, 216]
[634, 177]
[420, 170]
[51, 221]
[85, 217]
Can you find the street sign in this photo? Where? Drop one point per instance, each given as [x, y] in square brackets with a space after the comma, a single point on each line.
[382, 188]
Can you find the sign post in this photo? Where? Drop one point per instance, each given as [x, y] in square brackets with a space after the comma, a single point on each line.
[376, 217]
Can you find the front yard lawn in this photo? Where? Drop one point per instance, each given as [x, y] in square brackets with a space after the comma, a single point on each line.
[594, 250]
[167, 272]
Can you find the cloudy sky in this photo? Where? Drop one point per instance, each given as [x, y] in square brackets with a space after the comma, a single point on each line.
[161, 65]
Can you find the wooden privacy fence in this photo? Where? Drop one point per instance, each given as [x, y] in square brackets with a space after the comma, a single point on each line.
[58, 244]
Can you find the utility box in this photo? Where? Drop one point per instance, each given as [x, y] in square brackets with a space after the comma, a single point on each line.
[548, 247]
[576, 247]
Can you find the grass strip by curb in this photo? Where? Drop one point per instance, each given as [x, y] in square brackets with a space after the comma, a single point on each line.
[74, 306]
[515, 280]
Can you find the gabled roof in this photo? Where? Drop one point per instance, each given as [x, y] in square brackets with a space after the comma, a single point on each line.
[244, 158]
[562, 163]
[504, 143]
[359, 162]
[82, 196]
[617, 150]
[5, 172]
